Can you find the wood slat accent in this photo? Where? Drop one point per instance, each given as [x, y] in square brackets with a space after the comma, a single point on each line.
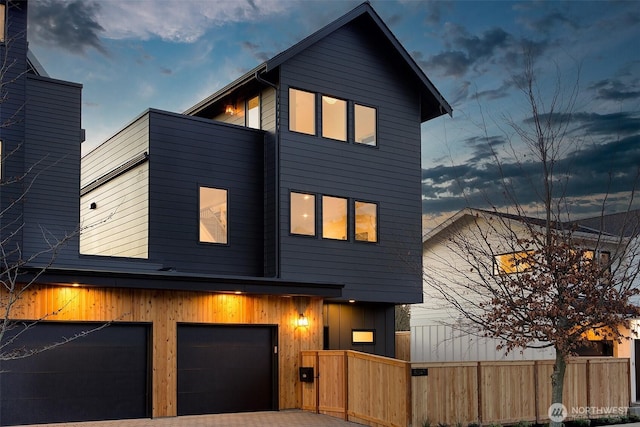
[165, 309]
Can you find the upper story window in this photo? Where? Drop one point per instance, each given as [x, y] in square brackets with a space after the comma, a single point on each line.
[334, 118]
[303, 214]
[334, 218]
[253, 112]
[3, 22]
[366, 221]
[523, 261]
[213, 215]
[302, 111]
[365, 125]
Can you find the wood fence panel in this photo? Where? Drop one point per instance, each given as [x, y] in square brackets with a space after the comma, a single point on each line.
[309, 398]
[403, 345]
[332, 383]
[576, 385]
[378, 390]
[609, 385]
[507, 391]
[447, 394]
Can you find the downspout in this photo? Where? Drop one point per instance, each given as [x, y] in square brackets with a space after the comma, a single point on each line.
[277, 173]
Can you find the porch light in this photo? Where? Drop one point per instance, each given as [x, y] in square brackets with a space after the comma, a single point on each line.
[302, 321]
[229, 110]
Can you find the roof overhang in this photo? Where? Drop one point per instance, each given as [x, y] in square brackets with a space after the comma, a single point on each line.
[178, 281]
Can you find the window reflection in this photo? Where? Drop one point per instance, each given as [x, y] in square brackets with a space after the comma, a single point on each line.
[365, 125]
[302, 214]
[302, 111]
[213, 215]
[334, 218]
[366, 221]
[334, 118]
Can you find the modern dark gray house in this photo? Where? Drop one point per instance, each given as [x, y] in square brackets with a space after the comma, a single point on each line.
[280, 214]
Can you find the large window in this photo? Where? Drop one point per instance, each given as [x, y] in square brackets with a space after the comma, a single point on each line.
[365, 125]
[334, 118]
[366, 222]
[514, 262]
[302, 111]
[253, 113]
[303, 214]
[334, 218]
[213, 215]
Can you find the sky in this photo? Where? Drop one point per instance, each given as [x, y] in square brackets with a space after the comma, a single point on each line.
[131, 55]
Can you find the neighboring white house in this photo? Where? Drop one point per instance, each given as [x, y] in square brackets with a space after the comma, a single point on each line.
[438, 332]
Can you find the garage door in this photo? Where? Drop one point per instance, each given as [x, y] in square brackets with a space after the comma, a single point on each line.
[226, 368]
[98, 377]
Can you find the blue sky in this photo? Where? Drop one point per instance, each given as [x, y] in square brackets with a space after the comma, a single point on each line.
[169, 54]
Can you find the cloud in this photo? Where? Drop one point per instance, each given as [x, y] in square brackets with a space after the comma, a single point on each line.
[614, 90]
[73, 26]
[550, 21]
[255, 51]
[609, 168]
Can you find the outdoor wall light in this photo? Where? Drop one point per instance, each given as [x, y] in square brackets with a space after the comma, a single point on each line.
[230, 110]
[93, 205]
[302, 321]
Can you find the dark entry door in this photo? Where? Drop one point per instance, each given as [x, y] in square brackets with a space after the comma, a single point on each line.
[98, 377]
[226, 368]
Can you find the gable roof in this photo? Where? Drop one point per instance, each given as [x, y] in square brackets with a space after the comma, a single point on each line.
[588, 226]
[433, 103]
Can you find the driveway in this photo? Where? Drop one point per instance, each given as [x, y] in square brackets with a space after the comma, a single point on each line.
[248, 419]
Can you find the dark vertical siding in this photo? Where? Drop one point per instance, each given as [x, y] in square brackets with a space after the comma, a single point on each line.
[188, 152]
[52, 149]
[341, 319]
[14, 65]
[359, 66]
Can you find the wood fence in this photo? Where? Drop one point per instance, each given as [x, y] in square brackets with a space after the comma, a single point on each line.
[378, 391]
[403, 345]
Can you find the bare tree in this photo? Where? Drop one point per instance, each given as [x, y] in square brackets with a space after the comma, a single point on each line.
[543, 281]
[20, 270]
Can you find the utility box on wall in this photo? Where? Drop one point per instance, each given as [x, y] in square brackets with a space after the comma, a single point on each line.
[306, 374]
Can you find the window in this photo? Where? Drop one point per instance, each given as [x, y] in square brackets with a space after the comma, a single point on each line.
[514, 262]
[213, 215]
[303, 214]
[302, 111]
[253, 113]
[366, 218]
[334, 218]
[334, 118]
[363, 336]
[3, 22]
[365, 125]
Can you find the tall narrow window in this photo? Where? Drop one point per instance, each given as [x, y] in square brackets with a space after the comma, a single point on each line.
[334, 218]
[334, 118]
[302, 111]
[213, 215]
[365, 125]
[303, 214]
[366, 227]
[253, 113]
[3, 22]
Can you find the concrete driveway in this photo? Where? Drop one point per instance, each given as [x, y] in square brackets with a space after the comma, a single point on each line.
[249, 419]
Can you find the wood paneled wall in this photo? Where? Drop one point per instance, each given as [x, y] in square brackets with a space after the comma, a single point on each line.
[363, 388]
[165, 309]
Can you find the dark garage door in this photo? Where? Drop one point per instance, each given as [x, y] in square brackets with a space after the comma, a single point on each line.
[98, 377]
[226, 368]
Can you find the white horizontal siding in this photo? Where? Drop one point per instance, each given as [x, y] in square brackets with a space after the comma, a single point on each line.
[119, 226]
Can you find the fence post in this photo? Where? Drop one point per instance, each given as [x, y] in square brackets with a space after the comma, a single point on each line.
[536, 388]
[346, 385]
[479, 381]
[588, 381]
[317, 385]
